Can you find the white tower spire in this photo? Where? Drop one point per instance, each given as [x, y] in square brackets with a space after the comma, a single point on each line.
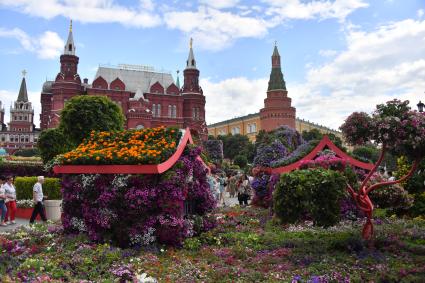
[69, 46]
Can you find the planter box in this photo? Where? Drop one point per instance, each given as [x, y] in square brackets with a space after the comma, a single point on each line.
[25, 213]
[128, 169]
[53, 209]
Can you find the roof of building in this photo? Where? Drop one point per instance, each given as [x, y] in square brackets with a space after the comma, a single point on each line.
[253, 115]
[133, 78]
[69, 48]
[23, 95]
[47, 86]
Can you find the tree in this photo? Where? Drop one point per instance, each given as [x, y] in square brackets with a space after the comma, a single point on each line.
[51, 143]
[241, 161]
[313, 134]
[234, 145]
[399, 131]
[85, 113]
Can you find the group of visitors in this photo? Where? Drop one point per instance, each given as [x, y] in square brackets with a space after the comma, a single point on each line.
[8, 201]
[235, 184]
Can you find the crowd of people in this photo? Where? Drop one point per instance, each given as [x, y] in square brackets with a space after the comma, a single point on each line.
[236, 184]
[8, 201]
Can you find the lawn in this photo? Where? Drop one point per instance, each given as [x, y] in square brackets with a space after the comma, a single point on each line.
[246, 246]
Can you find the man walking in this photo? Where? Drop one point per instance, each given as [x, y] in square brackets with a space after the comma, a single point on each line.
[37, 195]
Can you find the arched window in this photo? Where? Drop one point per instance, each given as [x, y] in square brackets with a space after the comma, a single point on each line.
[140, 127]
[170, 111]
[154, 110]
[70, 47]
[158, 110]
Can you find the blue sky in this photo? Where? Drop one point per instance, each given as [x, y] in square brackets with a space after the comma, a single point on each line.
[338, 56]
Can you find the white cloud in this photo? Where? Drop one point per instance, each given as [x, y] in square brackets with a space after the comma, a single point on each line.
[89, 11]
[220, 4]
[375, 67]
[233, 97]
[7, 97]
[284, 10]
[420, 13]
[47, 45]
[214, 29]
[327, 53]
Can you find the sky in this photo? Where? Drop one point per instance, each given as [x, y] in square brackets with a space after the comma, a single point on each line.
[338, 56]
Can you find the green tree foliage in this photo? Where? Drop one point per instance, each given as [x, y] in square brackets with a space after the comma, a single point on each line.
[369, 153]
[24, 187]
[316, 192]
[313, 134]
[234, 145]
[85, 113]
[241, 161]
[51, 143]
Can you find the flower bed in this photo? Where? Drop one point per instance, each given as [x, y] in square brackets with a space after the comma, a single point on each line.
[135, 210]
[131, 147]
[247, 246]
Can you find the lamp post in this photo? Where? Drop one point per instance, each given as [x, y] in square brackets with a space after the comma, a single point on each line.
[420, 106]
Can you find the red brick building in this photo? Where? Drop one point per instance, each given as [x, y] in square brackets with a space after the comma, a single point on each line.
[20, 133]
[147, 98]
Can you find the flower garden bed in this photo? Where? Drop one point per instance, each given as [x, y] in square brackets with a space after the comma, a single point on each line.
[138, 187]
[246, 246]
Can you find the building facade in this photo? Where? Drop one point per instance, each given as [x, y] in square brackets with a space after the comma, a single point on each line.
[20, 133]
[147, 98]
[277, 111]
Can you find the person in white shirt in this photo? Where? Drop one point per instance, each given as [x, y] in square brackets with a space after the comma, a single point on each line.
[10, 200]
[2, 201]
[37, 194]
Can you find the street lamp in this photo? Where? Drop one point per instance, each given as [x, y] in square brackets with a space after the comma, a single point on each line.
[420, 106]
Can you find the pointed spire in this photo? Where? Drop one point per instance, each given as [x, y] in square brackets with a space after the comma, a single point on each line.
[276, 77]
[191, 63]
[178, 79]
[23, 95]
[69, 46]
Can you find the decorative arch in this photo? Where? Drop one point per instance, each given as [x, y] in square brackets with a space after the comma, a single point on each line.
[117, 84]
[157, 88]
[100, 82]
[324, 143]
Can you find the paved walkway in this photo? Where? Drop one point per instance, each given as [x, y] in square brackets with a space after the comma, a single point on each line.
[19, 222]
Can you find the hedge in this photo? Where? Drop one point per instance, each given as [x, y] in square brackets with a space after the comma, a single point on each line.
[313, 193]
[24, 187]
[22, 169]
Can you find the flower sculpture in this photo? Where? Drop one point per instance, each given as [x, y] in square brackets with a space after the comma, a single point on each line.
[399, 131]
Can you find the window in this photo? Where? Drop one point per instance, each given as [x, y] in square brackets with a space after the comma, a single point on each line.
[70, 47]
[25, 118]
[222, 132]
[140, 127]
[195, 113]
[170, 111]
[174, 111]
[236, 130]
[158, 110]
[251, 128]
[153, 110]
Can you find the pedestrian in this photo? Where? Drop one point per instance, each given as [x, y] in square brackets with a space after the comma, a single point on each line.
[38, 198]
[231, 185]
[2, 201]
[221, 184]
[10, 192]
[212, 183]
[244, 190]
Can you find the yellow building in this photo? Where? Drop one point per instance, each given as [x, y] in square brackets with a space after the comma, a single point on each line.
[250, 125]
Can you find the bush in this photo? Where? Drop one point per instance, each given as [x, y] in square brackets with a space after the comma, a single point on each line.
[315, 193]
[51, 143]
[241, 161]
[99, 112]
[418, 208]
[24, 187]
[29, 152]
[21, 170]
[214, 149]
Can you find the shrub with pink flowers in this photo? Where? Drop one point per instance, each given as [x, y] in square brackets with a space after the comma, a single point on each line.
[138, 210]
[399, 131]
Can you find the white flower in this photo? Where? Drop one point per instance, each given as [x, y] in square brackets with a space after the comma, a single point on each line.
[143, 278]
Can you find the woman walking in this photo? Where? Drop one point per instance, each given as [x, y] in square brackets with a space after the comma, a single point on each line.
[2, 201]
[10, 192]
[244, 190]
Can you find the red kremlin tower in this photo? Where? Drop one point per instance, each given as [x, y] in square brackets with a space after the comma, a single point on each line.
[277, 109]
